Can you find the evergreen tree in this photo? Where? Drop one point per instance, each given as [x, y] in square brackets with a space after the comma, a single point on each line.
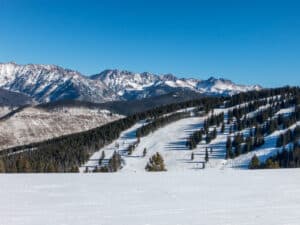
[229, 153]
[50, 168]
[271, 165]
[101, 157]
[115, 162]
[74, 169]
[2, 166]
[223, 128]
[144, 152]
[254, 163]
[206, 155]
[156, 163]
[214, 134]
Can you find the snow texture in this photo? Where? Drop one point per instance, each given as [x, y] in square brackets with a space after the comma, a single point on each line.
[33, 124]
[170, 142]
[203, 197]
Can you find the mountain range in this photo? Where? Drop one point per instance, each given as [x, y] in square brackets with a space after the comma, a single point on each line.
[48, 83]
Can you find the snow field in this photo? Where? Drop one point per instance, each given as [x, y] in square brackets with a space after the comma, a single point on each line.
[204, 197]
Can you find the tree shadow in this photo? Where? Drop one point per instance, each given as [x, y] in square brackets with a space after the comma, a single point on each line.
[129, 135]
[176, 145]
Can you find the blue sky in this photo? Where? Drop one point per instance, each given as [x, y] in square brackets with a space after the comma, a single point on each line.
[246, 41]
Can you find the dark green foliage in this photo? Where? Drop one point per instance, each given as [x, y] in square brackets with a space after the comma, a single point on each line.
[206, 155]
[288, 136]
[102, 157]
[223, 128]
[63, 153]
[254, 163]
[2, 166]
[213, 120]
[248, 145]
[194, 139]
[115, 162]
[287, 158]
[270, 164]
[229, 153]
[156, 163]
[130, 149]
[144, 152]
[74, 169]
[66, 153]
[265, 93]
[197, 136]
[160, 122]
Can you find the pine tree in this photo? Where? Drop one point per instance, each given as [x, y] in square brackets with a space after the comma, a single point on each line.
[50, 168]
[254, 163]
[26, 166]
[223, 128]
[102, 157]
[2, 166]
[214, 134]
[229, 153]
[74, 169]
[144, 152]
[270, 164]
[115, 162]
[156, 163]
[206, 155]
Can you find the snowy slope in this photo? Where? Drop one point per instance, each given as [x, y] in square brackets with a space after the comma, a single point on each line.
[33, 124]
[170, 142]
[205, 197]
[266, 150]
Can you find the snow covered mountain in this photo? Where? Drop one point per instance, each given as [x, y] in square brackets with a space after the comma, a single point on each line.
[47, 83]
[37, 123]
[141, 85]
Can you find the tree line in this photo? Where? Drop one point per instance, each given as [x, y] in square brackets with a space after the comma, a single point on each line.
[197, 136]
[287, 158]
[67, 153]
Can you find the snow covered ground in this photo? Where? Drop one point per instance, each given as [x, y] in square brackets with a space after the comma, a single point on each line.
[34, 124]
[170, 142]
[208, 197]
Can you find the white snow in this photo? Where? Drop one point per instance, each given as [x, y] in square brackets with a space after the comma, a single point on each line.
[170, 142]
[4, 110]
[203, 197]
[33, 124]
[125, 81]
[265, 151]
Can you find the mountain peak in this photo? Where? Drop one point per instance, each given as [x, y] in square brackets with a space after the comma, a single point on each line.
[47, 83]
[140, 85]
[51, 82]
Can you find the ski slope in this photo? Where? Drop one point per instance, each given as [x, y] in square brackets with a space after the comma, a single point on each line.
[204, 197]
[170, 142]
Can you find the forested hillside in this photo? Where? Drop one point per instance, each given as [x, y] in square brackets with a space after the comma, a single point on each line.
[220, 130]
